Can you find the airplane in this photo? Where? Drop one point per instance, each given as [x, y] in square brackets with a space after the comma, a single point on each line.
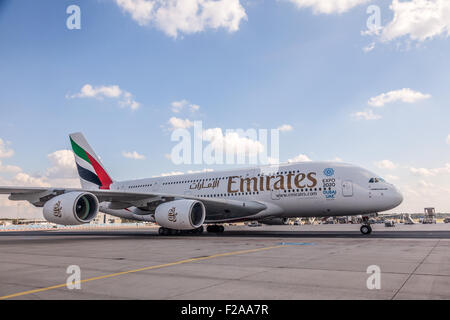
[184, 203]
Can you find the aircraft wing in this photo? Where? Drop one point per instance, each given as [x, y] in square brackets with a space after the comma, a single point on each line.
[216, 209]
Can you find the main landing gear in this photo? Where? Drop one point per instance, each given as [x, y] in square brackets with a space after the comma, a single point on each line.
[214, 228]
[171, 232]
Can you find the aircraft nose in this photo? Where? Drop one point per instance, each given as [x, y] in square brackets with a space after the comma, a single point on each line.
[398, 197]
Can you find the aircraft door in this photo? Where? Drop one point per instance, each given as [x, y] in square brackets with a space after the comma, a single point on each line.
[347, 188]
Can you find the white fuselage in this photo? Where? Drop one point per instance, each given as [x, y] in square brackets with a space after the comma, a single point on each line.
[304, 189]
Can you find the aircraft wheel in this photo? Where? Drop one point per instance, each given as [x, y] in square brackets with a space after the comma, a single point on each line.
[161, 231]
[221, 229]
[365, 229]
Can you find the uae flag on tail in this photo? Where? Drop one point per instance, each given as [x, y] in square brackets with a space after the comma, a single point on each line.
[91, 171]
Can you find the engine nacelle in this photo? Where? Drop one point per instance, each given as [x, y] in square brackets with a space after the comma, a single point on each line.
[275, 221]
[71, 208]
[180, 214]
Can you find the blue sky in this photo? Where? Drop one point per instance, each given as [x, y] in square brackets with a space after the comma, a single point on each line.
[283, 63]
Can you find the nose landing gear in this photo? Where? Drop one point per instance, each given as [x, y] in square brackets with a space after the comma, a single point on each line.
[366, 229]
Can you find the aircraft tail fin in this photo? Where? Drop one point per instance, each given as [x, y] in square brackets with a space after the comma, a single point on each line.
[92, 173]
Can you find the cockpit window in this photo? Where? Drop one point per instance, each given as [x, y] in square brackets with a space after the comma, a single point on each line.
[376, 180]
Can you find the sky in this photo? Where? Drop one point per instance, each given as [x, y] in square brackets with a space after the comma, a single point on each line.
[359, 81]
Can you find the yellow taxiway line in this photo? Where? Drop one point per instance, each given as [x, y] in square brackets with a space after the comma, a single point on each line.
[141, 269]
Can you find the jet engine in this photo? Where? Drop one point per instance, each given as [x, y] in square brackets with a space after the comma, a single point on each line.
[180, 214]
[71, 208]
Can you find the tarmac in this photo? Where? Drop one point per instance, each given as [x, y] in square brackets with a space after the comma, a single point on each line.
[267, 262]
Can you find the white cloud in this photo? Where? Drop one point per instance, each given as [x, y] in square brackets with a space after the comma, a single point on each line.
[369, 47]
[425, 184]
[178, 106]
[178, 123]
[126, 99]
[300, 158]
[391, 177]
[61, 173]
[63, 165]
[5, 151]
[271, 160]
[200, 171]
[23, 209]
[448, 139]
[232, 142]
[445, 169]
[87, 91]
[24, 179]
[328, 6]
[405, 95]
[423, 194]
[418, 19]
[285, 127]
[194, 107]
[15, 209]
[133, 155]
[422, 172]
[179, 173]
[425, 172]
[365, 115]
[423, 187]
[186, 16]
[386, 164]
[140, 10]
[9, 168]
[168, 174]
